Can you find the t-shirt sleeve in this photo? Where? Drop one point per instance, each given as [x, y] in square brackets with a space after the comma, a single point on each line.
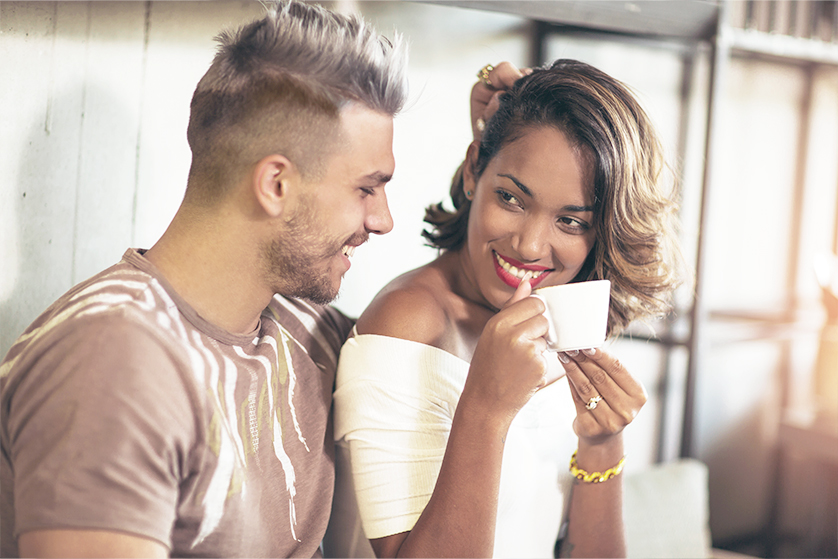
[394, 405]
[102, 428]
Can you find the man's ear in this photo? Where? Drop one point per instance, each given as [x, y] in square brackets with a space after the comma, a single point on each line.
[469, 182]
[273, 178]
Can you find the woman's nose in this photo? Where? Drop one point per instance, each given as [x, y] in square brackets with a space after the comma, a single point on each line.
[532, 241]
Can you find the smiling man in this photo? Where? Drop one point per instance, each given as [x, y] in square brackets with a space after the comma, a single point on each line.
[178, 403]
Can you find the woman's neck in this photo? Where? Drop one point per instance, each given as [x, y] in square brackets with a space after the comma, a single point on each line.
[468, 309]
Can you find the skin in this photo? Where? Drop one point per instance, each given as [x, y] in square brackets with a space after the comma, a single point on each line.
[216, 260]
[531, 205]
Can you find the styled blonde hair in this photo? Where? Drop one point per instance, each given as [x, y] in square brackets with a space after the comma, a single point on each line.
[277, 85]
[635, 213]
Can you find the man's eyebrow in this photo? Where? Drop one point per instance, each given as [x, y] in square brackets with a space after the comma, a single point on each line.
[528, 192]
[378, 177]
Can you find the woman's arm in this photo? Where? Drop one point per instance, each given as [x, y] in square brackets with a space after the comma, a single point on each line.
[607, 398]
[506, 369]
[459, 519]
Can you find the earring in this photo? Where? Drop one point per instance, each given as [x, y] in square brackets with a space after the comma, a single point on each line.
[468, 194]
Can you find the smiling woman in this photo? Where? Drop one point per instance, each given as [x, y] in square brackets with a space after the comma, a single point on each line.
[616, 144]
[531, 209]
[456, 422]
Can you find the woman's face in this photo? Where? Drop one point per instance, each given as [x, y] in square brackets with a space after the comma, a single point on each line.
[532, 210]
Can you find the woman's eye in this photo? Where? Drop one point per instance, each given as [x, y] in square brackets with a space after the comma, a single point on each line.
[507, 198]
[574, 224]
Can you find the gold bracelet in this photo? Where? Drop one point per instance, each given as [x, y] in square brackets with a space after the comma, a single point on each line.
[595, 477]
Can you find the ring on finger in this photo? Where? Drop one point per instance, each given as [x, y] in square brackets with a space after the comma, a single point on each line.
[483, 75]
[593, 402]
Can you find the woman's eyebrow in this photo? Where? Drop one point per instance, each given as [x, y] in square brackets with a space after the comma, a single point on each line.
[518, 183]
[579, 208]
[528, 192]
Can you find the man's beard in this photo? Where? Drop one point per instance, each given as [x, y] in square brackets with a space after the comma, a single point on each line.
[299, 261]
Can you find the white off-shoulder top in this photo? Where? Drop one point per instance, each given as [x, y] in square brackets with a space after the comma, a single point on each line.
[394, 404]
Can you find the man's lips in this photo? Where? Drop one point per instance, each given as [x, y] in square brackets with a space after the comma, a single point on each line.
[347, 251]
[348, 248]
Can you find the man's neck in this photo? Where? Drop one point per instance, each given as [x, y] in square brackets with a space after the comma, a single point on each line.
[214, 267]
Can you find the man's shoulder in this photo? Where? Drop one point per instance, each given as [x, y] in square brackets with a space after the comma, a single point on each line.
[121, 298]
[115, 289]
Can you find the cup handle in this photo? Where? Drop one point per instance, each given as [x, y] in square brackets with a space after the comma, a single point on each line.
[550, 337]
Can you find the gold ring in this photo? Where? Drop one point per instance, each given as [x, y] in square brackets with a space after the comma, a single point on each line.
[483, 75]
[592, 403]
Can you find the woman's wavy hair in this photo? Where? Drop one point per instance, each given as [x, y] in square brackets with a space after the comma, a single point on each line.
[636, 244]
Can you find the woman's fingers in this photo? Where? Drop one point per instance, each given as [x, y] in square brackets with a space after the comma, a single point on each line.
[597, 421]
[604, 392]
[492, 81]
[502, 76]
[590, 403]
[523, 290]
[606, 374]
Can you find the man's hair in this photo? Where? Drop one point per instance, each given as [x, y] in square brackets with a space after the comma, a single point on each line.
[634, 215]
[277, 85]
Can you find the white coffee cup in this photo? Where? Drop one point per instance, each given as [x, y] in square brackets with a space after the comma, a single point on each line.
[577, 313]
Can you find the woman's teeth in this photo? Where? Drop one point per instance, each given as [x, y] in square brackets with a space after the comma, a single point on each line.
[517, 272]
[348, 250]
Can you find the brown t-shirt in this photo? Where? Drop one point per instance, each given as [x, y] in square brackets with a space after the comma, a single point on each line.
[122, 409]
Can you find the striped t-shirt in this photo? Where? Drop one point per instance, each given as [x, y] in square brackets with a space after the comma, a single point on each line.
[122, 409]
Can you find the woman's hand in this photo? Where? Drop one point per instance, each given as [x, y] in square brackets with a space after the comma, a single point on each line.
[606, 395]
[484, 96]
[508, 367]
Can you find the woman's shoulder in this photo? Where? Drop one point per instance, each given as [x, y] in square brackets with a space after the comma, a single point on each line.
[411, 307]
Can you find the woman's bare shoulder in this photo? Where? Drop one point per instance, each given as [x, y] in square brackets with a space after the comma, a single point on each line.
[411, 307]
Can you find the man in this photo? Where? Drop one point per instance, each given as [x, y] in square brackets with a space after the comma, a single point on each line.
[178, 403]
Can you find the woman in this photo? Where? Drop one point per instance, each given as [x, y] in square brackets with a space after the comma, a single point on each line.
[458, 424]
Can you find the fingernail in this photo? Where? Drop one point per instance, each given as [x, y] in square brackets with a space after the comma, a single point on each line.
[589, 351]
[563, 358]
[573, 352]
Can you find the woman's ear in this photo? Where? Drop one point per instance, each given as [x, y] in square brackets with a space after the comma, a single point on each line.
[273, 178]
[469, 180]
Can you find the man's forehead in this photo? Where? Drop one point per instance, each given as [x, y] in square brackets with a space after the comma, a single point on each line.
[365, 146]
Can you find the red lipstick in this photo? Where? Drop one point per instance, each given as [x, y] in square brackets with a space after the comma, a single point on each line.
[513, 281]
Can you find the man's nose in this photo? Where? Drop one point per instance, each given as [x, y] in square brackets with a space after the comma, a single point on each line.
[379, 220]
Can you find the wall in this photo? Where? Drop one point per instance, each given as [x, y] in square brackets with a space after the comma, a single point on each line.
[757, 267]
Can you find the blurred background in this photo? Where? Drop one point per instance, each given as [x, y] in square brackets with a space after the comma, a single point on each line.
[94, 101]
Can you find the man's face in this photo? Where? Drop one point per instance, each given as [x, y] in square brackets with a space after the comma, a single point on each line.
[336, 211]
